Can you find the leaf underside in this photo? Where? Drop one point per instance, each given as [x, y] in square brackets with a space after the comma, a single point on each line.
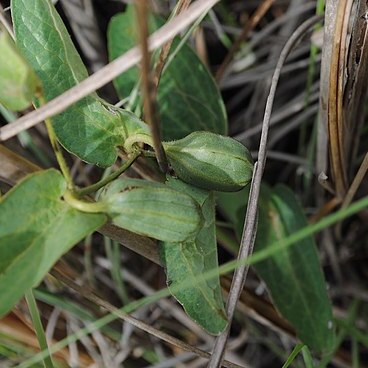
[37, 228]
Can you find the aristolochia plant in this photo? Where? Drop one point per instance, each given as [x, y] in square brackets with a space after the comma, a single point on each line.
[46, 214]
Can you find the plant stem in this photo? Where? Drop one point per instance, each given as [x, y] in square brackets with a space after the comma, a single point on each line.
[95, 187]
[57, 149]
[36, 320]
[89, 207]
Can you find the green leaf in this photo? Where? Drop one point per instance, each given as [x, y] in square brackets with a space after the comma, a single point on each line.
[18, 82]
[91, 128]
[37, 228]
[203, 301]
[188, 97]
[232, 206]
[151, 209]
[294, 276]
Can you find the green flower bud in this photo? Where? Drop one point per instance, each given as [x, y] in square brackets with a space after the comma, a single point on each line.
[210, 161]
[152, 209]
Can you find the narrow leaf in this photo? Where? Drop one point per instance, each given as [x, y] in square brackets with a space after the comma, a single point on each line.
[203, 301]
[37, 228]
[188, 97]
[18, 82]
[294, 276]
[91, 128]
[152, 209]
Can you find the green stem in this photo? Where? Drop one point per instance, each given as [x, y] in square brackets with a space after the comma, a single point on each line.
[57, 149]
[137, 138]
[36, 320]
[297, 349]
[90, 207]
[100, 184]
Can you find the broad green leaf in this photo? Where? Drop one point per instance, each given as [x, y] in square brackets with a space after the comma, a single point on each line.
[151, 209]
[91, 128]
[37, 228]
[203, 301]
[188, 97]
[18, 82]
[294, 276]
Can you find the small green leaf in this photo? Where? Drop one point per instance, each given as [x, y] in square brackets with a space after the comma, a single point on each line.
[203, 301]
[210, 161]
[18, 82]
[37, 228]
[188, 97]
[294, 276]
[91, 128]
[151, 209]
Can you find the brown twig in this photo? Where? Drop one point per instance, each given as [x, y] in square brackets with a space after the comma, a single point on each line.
[109, 72]
[249, 26]
[250, 223]
[148, 86]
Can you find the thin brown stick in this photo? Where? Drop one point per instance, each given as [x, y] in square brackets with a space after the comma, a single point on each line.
[92, 297]
[250, 223]
[164, 53]
[148, 86]
[249, 26]
[109, 72]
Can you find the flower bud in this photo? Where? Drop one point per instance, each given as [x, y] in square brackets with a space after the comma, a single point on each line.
[152, 209]
[210, 161]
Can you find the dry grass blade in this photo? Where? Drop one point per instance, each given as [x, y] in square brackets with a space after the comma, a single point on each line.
[109, 72]
[148, 85]
[329, 27]
[250, 223]
[91, 296]
[19, 330]
[335, 122]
